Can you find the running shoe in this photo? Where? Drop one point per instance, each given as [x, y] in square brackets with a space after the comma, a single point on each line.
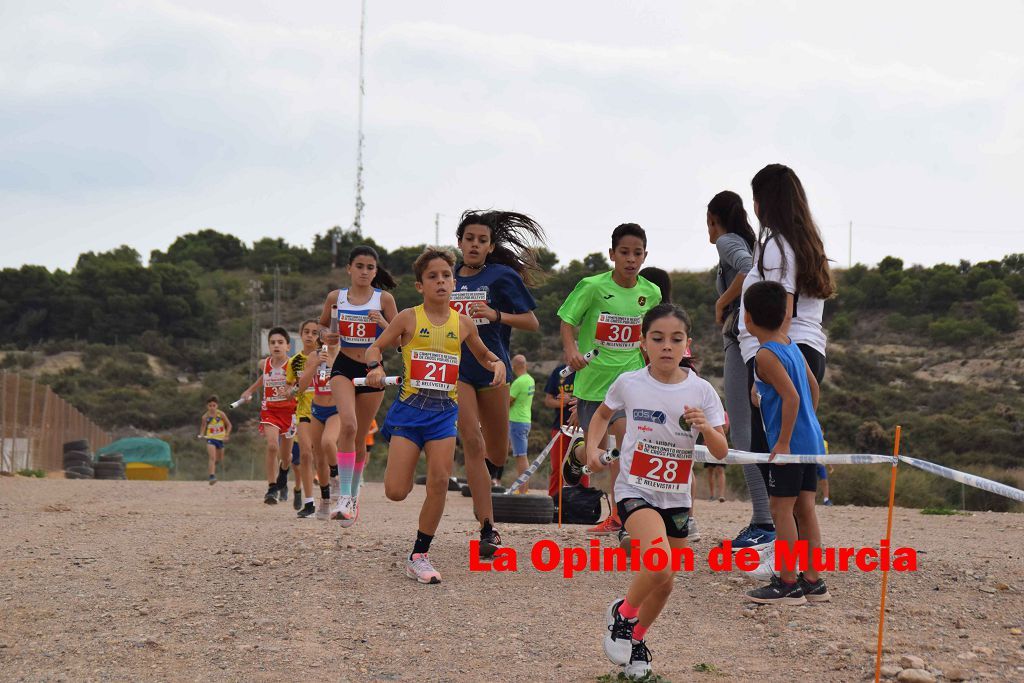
[610, 525]
[213, 479]
[323, 509]
[778, 593]
[572, 468]
[490, 541]
[343, 508]
[418, 567]
[828, 502]
[752, 535]
[639, 664]
[297, 499]
[618, 639]
[624, 539]
[721, 499]
[271, 497]
[354, 508]
[692, 534]
[814, 592]
[308, 510]
[282, 493]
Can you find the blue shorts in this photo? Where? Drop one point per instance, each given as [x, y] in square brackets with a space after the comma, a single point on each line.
[519, 433]
[216, 443]
[822, 472]
[419, 425]
[479, 377]
[295, 453]
[323, 413]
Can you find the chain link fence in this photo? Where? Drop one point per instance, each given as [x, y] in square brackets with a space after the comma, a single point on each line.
[35, 423]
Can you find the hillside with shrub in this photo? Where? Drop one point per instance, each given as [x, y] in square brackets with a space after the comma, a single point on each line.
[137, 347]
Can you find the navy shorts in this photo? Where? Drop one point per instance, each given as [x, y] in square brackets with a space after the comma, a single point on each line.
[216, 443]
[419, 425]
[295, 453]
[323, 413]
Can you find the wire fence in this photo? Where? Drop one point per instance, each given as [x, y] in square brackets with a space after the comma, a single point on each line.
[35, 423]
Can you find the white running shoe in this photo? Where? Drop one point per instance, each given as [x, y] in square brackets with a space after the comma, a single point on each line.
[343, 508]
[323, 509]
[618, 635]
[354, 508]
[335, 487]
[692, 535]
[639, 664]
[766, 569]
[418, 567]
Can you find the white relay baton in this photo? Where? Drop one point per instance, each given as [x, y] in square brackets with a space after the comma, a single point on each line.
[394, 381]
[241, 401]
[567, 370]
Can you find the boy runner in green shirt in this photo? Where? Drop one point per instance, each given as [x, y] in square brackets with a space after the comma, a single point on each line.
[606, 312]
[520, 414]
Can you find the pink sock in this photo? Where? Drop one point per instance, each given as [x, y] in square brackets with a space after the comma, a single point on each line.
[639, 632]
[627, 610]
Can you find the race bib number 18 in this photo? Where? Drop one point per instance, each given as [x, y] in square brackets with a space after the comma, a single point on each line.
[431, 370]
[462, 300]
[660, 468]
[618, 331]
[356, 329]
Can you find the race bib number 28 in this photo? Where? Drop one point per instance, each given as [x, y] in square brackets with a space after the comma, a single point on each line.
[618, 331]
[660, 468]
[431, 370]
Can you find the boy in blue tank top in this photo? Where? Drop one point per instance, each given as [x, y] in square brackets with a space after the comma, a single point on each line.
[787, 393]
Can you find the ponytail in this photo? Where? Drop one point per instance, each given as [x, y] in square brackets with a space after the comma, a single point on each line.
[727, 207]
[511, 234]
[383, 279]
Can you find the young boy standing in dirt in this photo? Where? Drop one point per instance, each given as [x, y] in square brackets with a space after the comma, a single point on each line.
[787, 393]
[277, 413]
[215, 427]
[605, 311]
[424, 416]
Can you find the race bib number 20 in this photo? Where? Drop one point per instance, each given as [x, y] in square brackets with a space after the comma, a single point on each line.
[660, 468]
[462, 300]
[431, 370]
[618, 331]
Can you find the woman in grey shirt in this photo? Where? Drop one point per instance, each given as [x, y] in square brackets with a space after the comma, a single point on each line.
[730, 232]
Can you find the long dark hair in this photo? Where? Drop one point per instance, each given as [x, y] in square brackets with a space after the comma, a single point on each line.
[664, 310]
[662, 279]
[511, 234]
[782, 210]
[383, 279]
[727, 207]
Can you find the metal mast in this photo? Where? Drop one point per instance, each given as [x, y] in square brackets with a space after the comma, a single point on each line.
[357, 222]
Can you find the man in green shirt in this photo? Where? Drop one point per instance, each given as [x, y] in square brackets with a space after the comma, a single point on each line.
[606, 311]
[520, 413]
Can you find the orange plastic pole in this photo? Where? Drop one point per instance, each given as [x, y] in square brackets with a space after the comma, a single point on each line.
[888, 538]
[561, 460]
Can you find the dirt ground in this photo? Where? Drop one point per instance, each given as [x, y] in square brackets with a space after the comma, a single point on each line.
[122, 580]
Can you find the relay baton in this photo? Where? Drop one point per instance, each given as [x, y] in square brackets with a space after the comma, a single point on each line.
[394, 381]
[567, 370]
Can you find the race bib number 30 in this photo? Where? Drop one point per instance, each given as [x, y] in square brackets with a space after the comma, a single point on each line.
[356, 329]
[461, 302]
[430, 370]
[660, 468]
[618, 331]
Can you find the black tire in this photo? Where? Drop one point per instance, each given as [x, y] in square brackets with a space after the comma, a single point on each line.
[77, 459]
[110, 457]
[109, 475]
[466, 493]
[453, 485]
[79, 473]
[108, 466]
[525, 509]
[79, 445]
[421, 480]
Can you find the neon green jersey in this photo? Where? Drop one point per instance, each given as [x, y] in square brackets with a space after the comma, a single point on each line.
[609, 317]
[522, 390]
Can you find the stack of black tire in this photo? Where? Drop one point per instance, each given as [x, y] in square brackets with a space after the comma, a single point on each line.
[79, 463]
[78, 460]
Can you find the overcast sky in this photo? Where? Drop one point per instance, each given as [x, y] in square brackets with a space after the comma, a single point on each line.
[135, 122]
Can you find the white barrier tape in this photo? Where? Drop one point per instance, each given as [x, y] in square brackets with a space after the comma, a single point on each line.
[701, 454]
[525, 476]
[964, 478]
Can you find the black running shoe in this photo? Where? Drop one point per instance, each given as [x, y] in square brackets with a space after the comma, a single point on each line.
[572, 469]
[297, 499]
[271, 497]
[282, 493]
[308, 510]
[814, 592]
[490, 541]
[778, 593]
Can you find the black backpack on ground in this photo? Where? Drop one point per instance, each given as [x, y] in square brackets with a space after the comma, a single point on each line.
[581, 505]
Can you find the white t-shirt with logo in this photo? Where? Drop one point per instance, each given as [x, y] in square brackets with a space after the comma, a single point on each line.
[656, 455]
[805, 326]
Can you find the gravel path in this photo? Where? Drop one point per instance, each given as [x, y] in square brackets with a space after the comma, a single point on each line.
[122, 580]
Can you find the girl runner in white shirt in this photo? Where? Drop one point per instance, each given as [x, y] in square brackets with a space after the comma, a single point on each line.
[666, 407]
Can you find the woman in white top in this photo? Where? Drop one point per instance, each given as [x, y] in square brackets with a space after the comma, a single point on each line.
[790, 251]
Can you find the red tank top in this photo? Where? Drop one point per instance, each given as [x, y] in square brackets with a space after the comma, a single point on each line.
[277, 394]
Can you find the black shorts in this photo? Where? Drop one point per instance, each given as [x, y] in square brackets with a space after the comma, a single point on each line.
[352, 369]
[787, 481]
[675, 518]
[711, 465]
[304, 419]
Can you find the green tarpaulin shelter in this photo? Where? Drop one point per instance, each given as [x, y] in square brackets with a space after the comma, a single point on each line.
[139, 449]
